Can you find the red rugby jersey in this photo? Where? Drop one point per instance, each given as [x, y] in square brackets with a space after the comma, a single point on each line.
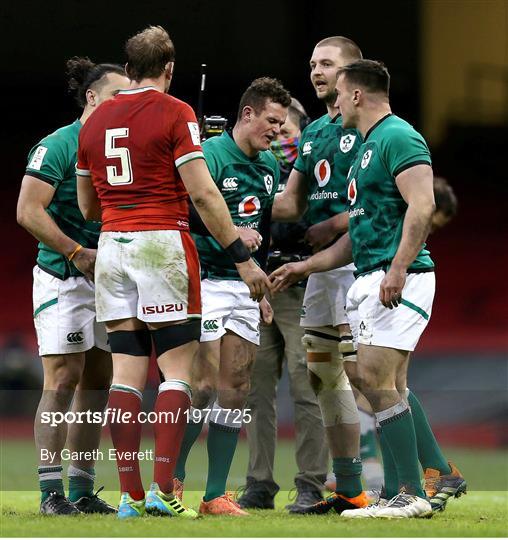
[132, 146]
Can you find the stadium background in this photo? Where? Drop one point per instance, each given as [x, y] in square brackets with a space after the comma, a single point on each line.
[449, 65]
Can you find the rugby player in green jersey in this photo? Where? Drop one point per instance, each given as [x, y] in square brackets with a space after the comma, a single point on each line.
[317, 187]
[247, 174]
[390, 192]
[431, 458]
[73, 347]
[281, 343]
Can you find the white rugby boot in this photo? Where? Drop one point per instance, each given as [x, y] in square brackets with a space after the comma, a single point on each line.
[404, 505]
[368, 511]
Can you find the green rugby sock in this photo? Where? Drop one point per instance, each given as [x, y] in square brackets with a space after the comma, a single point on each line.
[50, 480]
[81, 482]
[348, 473]
[192, 432]
[399, 432]
[391, 483]
[221, 445]
[429, 453]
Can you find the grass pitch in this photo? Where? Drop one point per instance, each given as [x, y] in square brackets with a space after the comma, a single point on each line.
[483, 512]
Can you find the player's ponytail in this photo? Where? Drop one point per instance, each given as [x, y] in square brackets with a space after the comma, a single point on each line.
[82, 73]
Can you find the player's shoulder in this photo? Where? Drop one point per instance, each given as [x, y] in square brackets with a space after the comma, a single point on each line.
[62, 142]
[64, 136]
[397, 134]
[269, 159]
[173, 103]
[56, 151]
[399, 143]
[222, 148]
[151, 95]
[214, 143]
[395, 127]
[316, 125]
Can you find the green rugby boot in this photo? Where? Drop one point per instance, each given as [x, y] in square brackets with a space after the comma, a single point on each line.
[160, 504]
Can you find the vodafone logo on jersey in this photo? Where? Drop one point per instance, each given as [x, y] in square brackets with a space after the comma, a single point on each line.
[249, 206]
[322, 172]
[351, 192]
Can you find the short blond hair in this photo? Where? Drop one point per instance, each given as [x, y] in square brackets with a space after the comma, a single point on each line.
[349, 49]
[148, 53]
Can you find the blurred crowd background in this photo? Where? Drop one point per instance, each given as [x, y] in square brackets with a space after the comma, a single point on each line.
[449, 65]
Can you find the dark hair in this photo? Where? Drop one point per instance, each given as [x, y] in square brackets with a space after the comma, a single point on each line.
[148, 52]
[446, 200]
[348, 48]
[370, 74]
[261, 90]
[83, 74]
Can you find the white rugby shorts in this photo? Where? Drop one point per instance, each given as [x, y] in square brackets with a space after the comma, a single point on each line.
[64, 315]
[397, 328]
[227, 305]
[324, 303]
[151, 275]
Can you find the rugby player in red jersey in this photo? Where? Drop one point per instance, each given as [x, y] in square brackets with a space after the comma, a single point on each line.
[143, 157]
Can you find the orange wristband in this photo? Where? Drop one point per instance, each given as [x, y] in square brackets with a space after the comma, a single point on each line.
[73, 254]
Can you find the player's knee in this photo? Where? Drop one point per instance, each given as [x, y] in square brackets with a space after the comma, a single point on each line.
[64, 382]
[63, 372]
[315, 382]
[368, 378]
[363, 382]
[337, 402]
[351, 370]
[173, 336]
[329, 380]
[323, 359]
[64, 377]
[131, 342]
[203, 395]
[234, 395]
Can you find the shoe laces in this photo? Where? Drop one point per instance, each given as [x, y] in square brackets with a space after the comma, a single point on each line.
[293, 494]
[231, 496]
[96, 494]
[400, 500]
[57, 501]
[241, 491]
[326, 501]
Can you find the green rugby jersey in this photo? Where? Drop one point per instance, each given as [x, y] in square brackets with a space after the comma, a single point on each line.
[325, 155]
[377, 208]
[53, 160]
[248, 187]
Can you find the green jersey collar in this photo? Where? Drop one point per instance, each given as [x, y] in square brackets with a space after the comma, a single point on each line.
[335, 118]
[235, 149]
[376, 125]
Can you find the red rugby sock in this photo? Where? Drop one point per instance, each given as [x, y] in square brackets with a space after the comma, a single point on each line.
[126, 437]
[169, 430]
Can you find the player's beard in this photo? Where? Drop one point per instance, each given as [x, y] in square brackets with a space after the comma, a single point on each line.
[330, 98]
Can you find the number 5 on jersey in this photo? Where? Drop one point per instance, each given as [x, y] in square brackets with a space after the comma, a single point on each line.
[125, 176]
